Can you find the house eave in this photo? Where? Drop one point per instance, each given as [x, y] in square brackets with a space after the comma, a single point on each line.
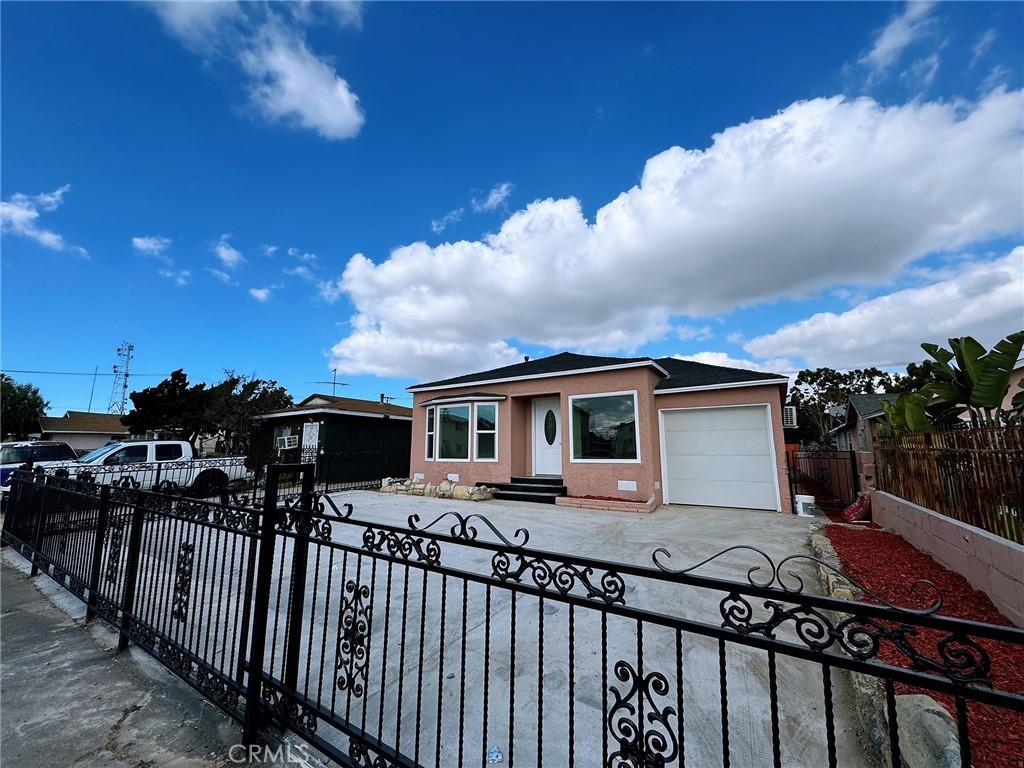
[552, 374]
[331, 411]
[729, 385]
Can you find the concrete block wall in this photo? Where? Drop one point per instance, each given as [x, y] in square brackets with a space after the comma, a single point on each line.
[990, 563]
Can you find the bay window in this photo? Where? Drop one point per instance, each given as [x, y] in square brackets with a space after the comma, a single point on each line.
[604, 428]
[452, 429]
[486, 432]
[453, 432]
[430, 435]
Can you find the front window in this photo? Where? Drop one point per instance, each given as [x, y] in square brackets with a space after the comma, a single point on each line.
[453, 438]
[168, 452]
[604, 427]
[430, 434]
[21, 454]
[99, 453]
[486, 432]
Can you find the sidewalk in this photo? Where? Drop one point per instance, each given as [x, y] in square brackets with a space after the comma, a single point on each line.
[67, 700]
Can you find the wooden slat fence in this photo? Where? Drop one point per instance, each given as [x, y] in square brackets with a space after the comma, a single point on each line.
[973, 475]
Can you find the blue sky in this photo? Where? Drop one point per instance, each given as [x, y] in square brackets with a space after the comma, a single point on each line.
[762, 185]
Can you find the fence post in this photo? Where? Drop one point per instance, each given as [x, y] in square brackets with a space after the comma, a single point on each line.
[37, 535]
[131, 573]
[261, 607]
[297, 585]
[97, 552]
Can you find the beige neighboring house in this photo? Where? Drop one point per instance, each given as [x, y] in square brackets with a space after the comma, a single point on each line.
[864, 414]
[83, 431]
[1015, 379]
[639, 430]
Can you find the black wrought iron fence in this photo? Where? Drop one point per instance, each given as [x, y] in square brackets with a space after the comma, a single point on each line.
[452, 643]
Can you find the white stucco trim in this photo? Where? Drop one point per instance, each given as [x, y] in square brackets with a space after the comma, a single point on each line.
[466, 399]
[554, 374]
[335, 411]
[730, 385]
[771, 444]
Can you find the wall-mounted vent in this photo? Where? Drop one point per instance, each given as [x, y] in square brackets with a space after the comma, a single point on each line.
[789, 417]
[289, 441]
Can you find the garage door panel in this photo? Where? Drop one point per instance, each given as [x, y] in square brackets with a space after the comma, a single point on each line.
[745, 442]
[719, 457]
[718, 419]
[740, 494]
[736, 469]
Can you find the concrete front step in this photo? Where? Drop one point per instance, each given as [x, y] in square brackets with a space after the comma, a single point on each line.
[538, 480]
[557, 490]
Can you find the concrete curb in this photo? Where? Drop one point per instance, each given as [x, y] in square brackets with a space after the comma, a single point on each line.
[927, 732]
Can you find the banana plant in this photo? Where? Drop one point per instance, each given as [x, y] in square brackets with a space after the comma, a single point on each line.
[977, 383]
[907, 413]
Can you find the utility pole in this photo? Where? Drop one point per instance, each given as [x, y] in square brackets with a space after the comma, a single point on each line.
[119, 393]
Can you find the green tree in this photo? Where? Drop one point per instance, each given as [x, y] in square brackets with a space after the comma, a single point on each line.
[21, 405]
[820, 392]
[188, 411]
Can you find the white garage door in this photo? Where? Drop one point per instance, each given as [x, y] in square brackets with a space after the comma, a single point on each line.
[719, 457]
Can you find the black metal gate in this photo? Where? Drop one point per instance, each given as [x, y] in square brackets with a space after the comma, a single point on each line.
[452, 642]
[831, 477]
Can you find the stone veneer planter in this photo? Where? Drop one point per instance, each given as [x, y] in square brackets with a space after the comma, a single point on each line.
[443, 490]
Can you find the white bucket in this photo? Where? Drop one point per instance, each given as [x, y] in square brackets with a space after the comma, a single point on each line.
[804, 505]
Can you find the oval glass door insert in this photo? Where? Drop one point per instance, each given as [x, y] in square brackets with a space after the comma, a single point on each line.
[550, 427]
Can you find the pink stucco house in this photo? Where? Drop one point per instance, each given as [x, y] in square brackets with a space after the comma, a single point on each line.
[640, 429]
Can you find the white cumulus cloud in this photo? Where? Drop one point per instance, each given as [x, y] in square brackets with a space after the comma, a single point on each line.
[494, 199]
[180, 277]
[19, 215]
[260, 294]
[229, 256]
[775, 365]
[984, 300]
[826, 192]
[151, 245]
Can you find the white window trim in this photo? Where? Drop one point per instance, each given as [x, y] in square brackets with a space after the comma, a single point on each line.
[636, 427]
[497, 427]
[771, 444]
[429, 438]
[437, 435]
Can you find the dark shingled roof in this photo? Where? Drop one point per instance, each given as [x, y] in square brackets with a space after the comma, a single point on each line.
[83, 421]
[564, 361]
[870, 406]
[350, 404]
[682, 373]
[688, 373]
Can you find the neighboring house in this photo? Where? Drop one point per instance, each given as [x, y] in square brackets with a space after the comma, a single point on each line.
[636, 429]
[343, 430]
[864, 414]
[1015, 380]
[83, 431]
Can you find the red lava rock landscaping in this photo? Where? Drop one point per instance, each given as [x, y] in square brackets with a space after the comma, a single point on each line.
[888, 565]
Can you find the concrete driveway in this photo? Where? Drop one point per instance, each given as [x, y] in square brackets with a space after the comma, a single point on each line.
[540, 681]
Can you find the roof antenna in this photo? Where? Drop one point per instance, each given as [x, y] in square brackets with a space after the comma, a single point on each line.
[526, 358]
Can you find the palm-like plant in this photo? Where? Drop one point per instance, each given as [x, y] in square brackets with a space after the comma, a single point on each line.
[966, 378]
[977, 383]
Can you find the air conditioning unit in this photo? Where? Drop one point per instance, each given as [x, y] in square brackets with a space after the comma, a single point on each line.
[789, 417]
[286, 442]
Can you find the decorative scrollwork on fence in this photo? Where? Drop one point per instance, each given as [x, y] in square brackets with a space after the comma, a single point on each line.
[321, 501]
[957, 657]
[403, 545]
[116, 539]
[359, 754]
[465, 530]
[790, 582]
[564, 577]
[183, 581]
[638, 745]
[352, 654]
[295, 715]
[298, 518]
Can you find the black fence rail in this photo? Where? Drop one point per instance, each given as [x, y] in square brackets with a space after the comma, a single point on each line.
[240, 479]
[451, 642]
[830, 476]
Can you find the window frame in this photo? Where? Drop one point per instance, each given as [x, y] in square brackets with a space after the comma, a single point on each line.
[469, 430]
[636, 427]
[430, 435]
[477, 431]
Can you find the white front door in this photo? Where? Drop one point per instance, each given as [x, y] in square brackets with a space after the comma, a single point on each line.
[547, 436]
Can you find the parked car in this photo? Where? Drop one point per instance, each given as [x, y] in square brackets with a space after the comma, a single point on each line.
[152, 465]
[16, 454]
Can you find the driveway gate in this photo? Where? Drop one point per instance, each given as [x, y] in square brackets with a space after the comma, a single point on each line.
[831, 477]
[450, 642]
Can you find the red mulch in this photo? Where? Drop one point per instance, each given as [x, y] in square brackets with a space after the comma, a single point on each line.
[604, 498]
[887, 565]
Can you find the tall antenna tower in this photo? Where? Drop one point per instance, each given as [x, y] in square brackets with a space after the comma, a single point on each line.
[119, 393]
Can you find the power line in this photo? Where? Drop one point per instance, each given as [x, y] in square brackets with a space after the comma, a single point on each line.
[75, 373]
